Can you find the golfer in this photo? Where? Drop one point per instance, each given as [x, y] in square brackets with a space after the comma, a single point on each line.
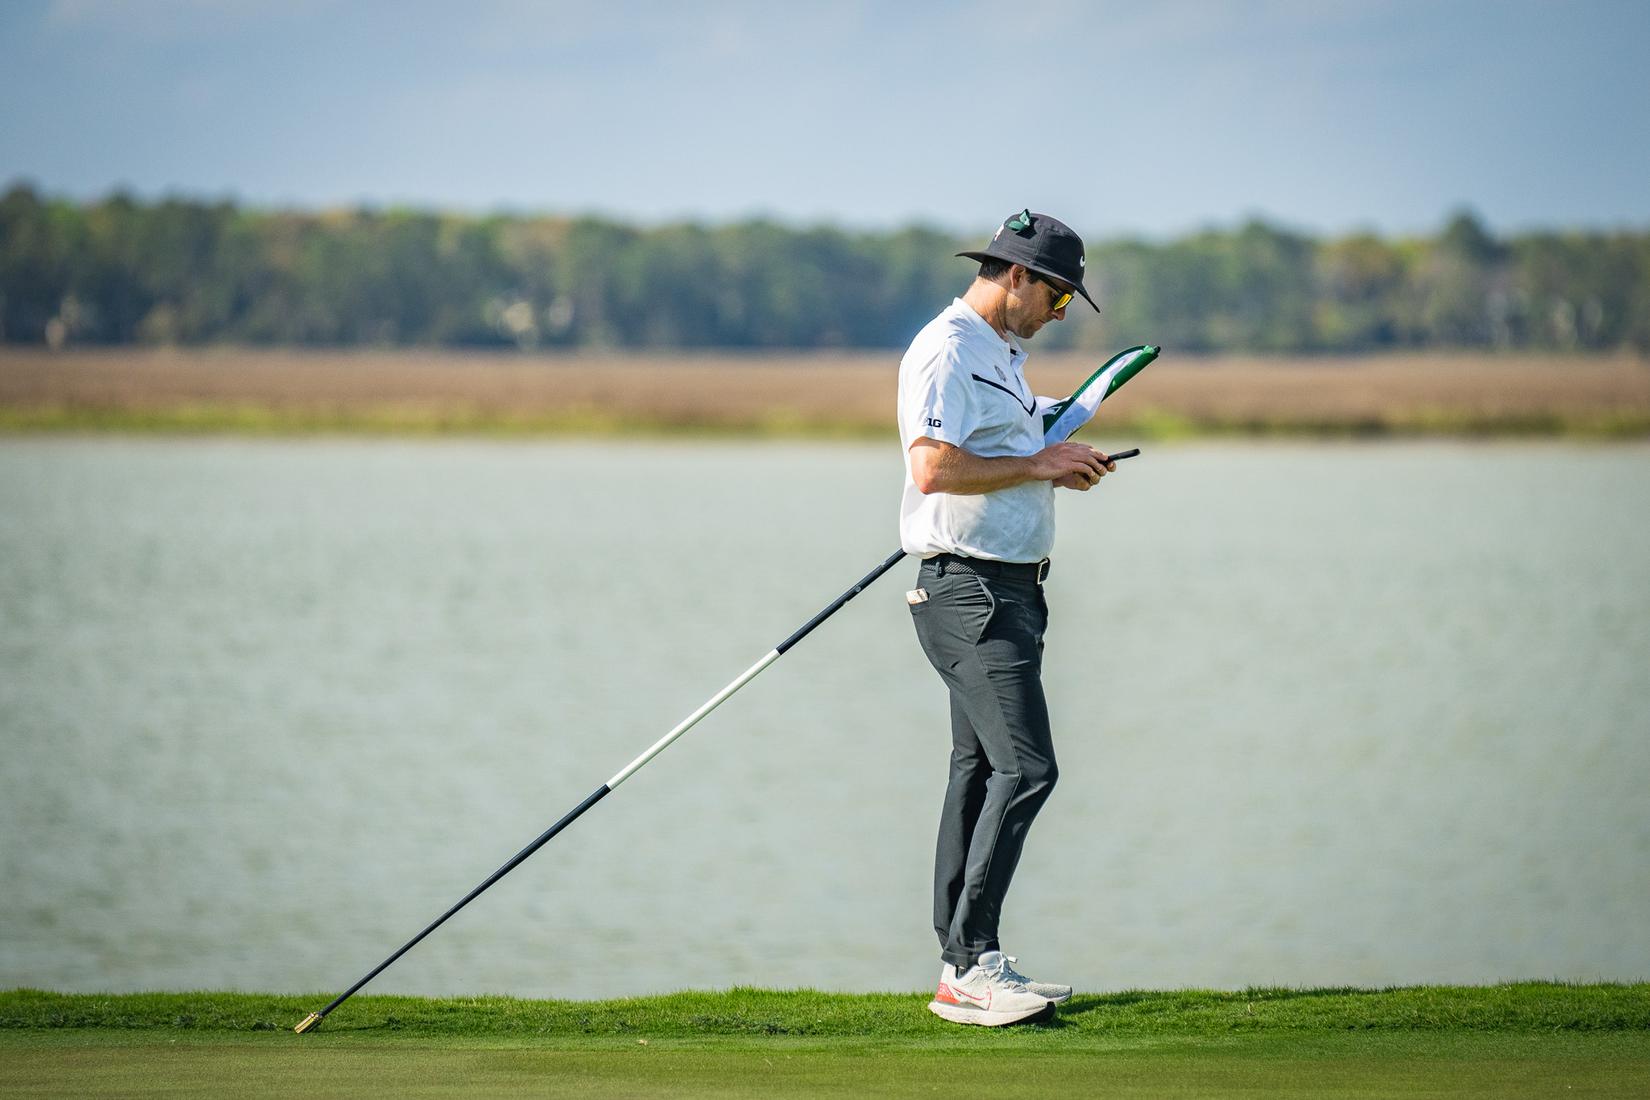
[978, 508]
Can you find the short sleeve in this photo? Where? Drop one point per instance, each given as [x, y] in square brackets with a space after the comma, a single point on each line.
[938, 399]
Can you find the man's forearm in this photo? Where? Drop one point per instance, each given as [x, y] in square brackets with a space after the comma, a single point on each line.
[942, 468]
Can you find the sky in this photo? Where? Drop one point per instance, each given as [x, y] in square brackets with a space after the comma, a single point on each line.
[1121, 118]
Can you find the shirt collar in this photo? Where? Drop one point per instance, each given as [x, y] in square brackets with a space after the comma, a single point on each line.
[1010, 345]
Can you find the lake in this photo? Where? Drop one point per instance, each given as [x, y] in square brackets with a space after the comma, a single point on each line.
[1327, 714]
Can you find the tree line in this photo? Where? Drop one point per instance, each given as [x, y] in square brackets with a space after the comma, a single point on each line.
[123, 271]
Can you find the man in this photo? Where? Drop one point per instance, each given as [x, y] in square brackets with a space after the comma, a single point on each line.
[978, 509]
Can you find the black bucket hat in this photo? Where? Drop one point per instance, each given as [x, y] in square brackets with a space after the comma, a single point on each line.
[1043, 244]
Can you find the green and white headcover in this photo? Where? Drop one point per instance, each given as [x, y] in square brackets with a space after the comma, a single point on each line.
[1061, 419]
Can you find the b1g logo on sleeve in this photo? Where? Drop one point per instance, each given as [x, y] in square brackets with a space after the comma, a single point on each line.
[933, 422]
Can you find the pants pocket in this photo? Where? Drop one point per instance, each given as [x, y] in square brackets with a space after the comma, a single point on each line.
[975, 606]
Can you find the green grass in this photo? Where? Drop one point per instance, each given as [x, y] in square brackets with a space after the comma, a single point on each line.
[1522, 1007]
[1506, 1040]
[1569, 1066]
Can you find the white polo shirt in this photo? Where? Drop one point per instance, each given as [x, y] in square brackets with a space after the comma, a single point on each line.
[961, 383]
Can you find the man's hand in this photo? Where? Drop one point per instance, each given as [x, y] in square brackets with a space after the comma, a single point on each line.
[1072, 465]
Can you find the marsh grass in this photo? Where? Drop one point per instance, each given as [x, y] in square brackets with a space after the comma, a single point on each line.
[800, 395]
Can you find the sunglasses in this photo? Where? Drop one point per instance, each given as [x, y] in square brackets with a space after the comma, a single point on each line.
[1062, 298]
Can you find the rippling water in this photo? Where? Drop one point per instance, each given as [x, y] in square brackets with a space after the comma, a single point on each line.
[1326, 714]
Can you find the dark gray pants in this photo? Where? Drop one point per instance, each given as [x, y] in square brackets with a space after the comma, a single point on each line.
[984, 636]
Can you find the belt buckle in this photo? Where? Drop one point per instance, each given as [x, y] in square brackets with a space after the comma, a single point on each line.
[1042, 570]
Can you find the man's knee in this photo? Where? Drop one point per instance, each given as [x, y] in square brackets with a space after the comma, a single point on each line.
[1039, 776]
[1032, 782]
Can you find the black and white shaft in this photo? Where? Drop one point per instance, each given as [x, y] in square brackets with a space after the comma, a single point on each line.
[620, 776]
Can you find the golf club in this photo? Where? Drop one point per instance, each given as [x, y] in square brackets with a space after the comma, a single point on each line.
[1063, 419]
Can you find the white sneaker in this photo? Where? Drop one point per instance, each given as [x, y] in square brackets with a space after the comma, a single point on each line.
[1059, 994]
[985, 995]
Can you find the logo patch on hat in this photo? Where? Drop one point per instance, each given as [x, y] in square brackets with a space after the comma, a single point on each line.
[1082, 262]
[1020, 222]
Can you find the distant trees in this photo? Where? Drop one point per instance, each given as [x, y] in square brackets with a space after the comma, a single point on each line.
[120, 271]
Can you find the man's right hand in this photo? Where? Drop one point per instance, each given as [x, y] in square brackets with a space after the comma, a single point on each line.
[1071, 465]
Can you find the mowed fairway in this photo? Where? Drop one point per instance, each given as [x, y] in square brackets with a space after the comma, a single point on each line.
[1341, 1066]
[1525, 1040]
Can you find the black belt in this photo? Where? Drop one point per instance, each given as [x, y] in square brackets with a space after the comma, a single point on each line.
[1031, 572]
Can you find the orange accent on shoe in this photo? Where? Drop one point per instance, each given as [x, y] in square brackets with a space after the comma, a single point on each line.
[947, 995]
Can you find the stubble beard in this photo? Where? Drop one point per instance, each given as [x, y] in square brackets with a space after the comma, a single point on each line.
[1029, 329]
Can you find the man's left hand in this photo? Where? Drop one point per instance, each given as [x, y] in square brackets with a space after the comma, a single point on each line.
[1075, 481]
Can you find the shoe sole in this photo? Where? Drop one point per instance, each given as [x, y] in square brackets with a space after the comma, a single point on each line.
[961, 1014]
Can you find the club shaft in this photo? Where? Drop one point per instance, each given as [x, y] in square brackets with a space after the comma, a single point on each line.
[543, 838]
[629, 769]
[692, 720]
[836, 605]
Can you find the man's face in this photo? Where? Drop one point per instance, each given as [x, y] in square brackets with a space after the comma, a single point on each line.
[1031, 299]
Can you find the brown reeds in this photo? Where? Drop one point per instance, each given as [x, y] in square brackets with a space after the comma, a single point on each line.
[791, 394]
